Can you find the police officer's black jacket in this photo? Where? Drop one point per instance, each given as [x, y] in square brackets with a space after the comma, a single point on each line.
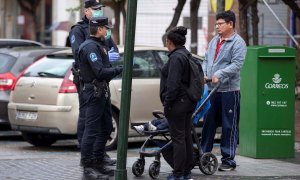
[80, 32]
[94, 62]
[174, 77]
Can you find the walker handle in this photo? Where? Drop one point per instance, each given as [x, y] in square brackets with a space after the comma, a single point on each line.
[210, 81]
[158, 114]
[207, 81]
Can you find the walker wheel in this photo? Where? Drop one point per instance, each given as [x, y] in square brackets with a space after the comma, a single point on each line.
[138, 167]
[154, 170]
[208, 163]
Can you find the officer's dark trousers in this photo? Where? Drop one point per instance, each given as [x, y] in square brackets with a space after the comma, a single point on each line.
[224, 112]
[98, 124]
[179, 119]
[81, 117]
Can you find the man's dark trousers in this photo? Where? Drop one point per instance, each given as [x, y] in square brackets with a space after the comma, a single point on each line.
[224, 112]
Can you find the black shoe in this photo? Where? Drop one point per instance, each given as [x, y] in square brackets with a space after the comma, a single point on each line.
[188, 176]
[100, 166]
[108, 160]
[226, 167]
[105, 170]
[90, 172]
[173, 177]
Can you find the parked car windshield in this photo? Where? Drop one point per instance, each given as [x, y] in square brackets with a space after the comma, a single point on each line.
[6, 63]
[164, 56]
[49, 67]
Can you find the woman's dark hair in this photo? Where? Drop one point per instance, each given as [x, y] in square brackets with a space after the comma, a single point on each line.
[227, 16]
[177, 35]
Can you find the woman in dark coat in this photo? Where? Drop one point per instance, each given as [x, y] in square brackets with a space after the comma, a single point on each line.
[178, 107]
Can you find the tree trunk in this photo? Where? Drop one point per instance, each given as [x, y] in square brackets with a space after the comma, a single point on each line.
[118, 8]
[294, 6]
[175, 19]
[255, 21]
[29, 7]
[81, 8]
[243, 20]
[220, 6]
[194, 5]
[124, 9]
[124, 14]
[116, 30]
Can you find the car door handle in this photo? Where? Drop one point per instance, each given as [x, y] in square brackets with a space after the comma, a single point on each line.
[31, 97]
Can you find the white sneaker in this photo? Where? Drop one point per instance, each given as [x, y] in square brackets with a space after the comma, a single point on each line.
[151, 127]
[139, 129]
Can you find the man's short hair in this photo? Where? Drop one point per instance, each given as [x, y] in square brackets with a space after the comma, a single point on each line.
[93, 30]
[227, 16]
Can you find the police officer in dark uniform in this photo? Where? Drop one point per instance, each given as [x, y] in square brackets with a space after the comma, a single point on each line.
[96, 72]
[80, 31]
[78, 34]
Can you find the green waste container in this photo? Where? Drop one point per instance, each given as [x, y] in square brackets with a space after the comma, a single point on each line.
[268, 103]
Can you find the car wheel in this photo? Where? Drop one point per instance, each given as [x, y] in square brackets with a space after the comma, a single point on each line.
[39, 139]
[113, 138]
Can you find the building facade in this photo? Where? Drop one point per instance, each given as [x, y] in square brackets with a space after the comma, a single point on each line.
[53, 19]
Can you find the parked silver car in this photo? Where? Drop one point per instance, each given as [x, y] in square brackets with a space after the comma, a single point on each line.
[12, 62]
[44, 104]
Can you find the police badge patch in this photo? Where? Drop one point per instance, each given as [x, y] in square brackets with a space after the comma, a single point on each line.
[93, 57]
[72, 39]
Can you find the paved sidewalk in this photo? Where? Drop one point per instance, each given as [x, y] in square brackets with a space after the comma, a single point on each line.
[247, 168]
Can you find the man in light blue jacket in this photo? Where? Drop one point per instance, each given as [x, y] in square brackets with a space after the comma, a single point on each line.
[223, 61]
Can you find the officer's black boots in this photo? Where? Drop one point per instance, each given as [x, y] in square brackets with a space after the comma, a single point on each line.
[108, 160]
[90, 171]
[101, 167]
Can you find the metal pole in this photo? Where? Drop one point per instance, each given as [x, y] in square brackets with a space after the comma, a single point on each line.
[292, 26]
[262, 28]
[292, 37]
[121, 172]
